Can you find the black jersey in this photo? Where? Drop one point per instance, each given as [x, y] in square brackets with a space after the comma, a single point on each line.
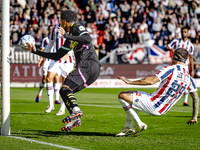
[79, 41]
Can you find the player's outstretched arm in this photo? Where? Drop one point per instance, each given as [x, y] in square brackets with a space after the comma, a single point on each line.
[55, 56]
[167, 48]
[146, 81]
[195, 98]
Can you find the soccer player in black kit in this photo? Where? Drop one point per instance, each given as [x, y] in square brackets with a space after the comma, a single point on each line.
[87, 68]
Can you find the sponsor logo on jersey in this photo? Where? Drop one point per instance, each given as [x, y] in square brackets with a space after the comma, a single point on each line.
[81, 28]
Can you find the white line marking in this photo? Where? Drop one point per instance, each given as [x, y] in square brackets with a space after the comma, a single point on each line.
[112, 107]
[45, 143]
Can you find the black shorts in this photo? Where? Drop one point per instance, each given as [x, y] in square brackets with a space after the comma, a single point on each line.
[84, 74]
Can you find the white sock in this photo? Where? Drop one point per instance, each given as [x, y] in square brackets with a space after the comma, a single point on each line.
[62, 106]
[185, 99]
[131, 114]
[76, 109]
[41, 87]
[56, 90]
[50, 92]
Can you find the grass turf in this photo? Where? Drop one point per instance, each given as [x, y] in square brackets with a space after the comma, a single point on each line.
[103, 119]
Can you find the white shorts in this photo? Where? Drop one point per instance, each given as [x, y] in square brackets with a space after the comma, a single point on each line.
[60, 68]
[141, 102]
[45, 66]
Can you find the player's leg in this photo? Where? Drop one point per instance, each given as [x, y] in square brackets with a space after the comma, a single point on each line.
[67, 93]
[62, 105]
[66, 68]
[43, 82]
[57, 89]
[41, 87]
[185, 98]
[126, 100]
[50, 91]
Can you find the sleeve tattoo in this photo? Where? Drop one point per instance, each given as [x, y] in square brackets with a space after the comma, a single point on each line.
[195, 98]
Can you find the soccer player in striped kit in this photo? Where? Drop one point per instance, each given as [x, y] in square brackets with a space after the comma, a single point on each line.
[44, 63]
[184, 43]
[56, 68]
[174, 80]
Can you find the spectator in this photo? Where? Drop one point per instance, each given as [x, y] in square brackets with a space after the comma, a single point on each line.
[192, 34]
[157, 26]
[89, 15]
[102, 51]
[92, 5]
[69, 3]
[94, 37]
[196, 71]
[82, 21]
[115, 30]
[178, 30]
[108, 43]
[115, 42]
[121, 38]
[125, 8]
[195, 22]
[15, 25]
[184, 8]
[187, 20]
[157, 38]
[146, 35]
[14, 37]
[89, 29]
[45, 20]
[171, 27]
[196, 50]
[152, 14]
[55, 20]
[22, 32]
[163, 33]
[31, 31]
[135, 36]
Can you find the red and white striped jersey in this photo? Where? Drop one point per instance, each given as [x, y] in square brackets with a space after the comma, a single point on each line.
[56, 38]
[179, 43]
[45, 42]
[174, 81]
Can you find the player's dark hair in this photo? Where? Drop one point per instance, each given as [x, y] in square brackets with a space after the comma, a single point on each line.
[184, 28]
[180, 54]
[69, 16]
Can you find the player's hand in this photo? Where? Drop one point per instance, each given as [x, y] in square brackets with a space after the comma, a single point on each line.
[30, 47]
[61, 30]
[124, 79]
[192, 121]
[40, 62]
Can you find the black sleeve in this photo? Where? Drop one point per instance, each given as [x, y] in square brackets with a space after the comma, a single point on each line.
[85, 38]
[55, 56]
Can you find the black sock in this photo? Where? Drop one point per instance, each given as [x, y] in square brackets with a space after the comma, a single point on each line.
[69, 98]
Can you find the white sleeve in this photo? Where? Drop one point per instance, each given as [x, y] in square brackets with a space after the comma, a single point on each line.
[49, 47]
[172, 43]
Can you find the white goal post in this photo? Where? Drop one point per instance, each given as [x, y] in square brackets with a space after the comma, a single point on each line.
[5, 68]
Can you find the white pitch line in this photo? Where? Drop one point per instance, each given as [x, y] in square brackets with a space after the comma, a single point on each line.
[45, 143]
[112, 107]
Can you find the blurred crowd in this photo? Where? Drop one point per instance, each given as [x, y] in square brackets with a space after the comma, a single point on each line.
[110, 22]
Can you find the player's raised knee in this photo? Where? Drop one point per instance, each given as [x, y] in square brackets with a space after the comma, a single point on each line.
[121, 95]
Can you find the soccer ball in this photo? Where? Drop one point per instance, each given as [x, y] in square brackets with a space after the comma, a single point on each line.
[24, 40]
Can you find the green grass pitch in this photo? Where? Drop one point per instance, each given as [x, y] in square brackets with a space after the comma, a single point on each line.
[103, 118]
